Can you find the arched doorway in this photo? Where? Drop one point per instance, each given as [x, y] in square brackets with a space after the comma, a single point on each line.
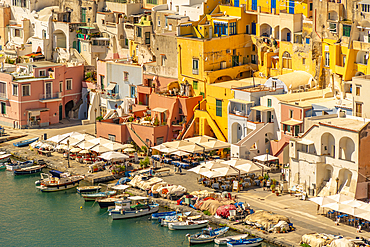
[60, 39]
[237, 132]
[68, 107]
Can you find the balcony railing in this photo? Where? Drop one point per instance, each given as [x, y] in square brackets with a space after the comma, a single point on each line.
[3, 96]
[49, 96]
[111, 96]
[195, 72]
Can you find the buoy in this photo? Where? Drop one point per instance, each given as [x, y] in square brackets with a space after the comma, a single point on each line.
[81, 207]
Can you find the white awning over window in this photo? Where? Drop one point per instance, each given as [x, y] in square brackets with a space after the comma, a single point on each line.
[111, 86]
[159, 109]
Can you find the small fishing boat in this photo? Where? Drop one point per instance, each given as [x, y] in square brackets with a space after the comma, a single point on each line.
[29, 170]
[99, 195]
[188, 224]
[206, 235]
[110, 201]
[245, 242]
[133, 206]
[177, 218]
[25, 142]
[2, 167]
[224, 240]
[178, 214]
[4, 158]
[56, 181]
[87, 189]
[156, 216]
[18, 165]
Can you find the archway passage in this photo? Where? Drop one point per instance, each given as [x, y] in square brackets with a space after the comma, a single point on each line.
[60, 39]
[237, 132]
[68, 107]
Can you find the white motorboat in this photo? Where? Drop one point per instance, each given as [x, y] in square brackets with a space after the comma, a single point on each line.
[133, 206]
[187, 225]
[176, 218]
[206, 235]
[245, 242]
[18, 165]
[224, 240]
[56, 181]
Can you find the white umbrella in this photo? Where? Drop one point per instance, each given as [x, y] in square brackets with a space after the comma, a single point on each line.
[191, 148]
[354, 203]
[159, 147]
[114, 156]
[180, 153]
[127, 146]
[217, 144]
[63, 147]
[336, 206]
[211, 174]
[72, 134]
[129, 150]
[72, 141]
[340, 197]
[200, 139]
[100, 141]
[168, 150]
[236, 162]
[177, 144]
[365, 206]
[227, 171]
[57, 138]
[84, 152]
[113, 146]
[355, 211]
[85, 137]
[198, 169]
[86, 145]
[100, 149]
[248, 167]
[265, 158]
[75, 150]
[322, 200]
[215, 164]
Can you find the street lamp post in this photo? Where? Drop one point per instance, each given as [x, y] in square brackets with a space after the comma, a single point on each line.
[68, 154]
[95, 120]
[337, 180]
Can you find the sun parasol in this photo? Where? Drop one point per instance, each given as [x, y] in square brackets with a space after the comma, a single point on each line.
[127, 146]
[322, 200]
[200, 139]
[191, 148]
[113, 156]
[180, 153]
[217, 144]
[100, 141]
[214, 164]
[100, 149]
[84, 152]
[177, 144]
[75, 150]
[199, 169]
[129, 150]
[113, 146]
[226, 171]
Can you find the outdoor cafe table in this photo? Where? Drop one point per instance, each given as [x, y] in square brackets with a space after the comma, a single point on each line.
[156, 157]
[167, 160]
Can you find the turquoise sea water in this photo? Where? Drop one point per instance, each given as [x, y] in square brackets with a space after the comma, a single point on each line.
[29, 217]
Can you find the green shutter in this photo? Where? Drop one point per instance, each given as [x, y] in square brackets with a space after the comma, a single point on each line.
[218, 108]
[195, 85]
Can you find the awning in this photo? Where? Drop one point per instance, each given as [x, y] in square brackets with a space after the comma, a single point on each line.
[262, 108]
[275, 57]
[241, 101]
[305, 142]
[159, 109]
[36, 111]
[111, 86]
[292, 122]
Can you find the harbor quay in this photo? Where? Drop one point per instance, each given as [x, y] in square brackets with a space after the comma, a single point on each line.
[302, 213]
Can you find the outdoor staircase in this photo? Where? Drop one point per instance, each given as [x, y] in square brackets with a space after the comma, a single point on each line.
[256, 135]
[186, 129]
[212, 124]
[135, 137]
[278, 146]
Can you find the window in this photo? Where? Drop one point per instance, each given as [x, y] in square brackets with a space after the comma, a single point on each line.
[269, 103]
[163, 60]
[365, 7]
[44, 34]
[195, 85]
[102, 21]
[85, 48]
[307, 41]
[358, 109]
[170, 27]
[17, 33]
[147, 38]
[291, 113]
[304, 61]
[254, 60]
[195, 66]
[69, 84]
[333, 27]
[253, 47]
[247, 29]
[218, 108]
[3, 89]
[125, 75]
[61, 86]
[42, 72]
[3, 108]
[358, 88]
[311, 6]
[344, 60]
[138, 32]
[327, 59]
[102, 81]
[288, 128]
[112, 137]
[232, 26]
[346, 30]
[220, 28]
[132, 91]
[26, 90]
[223, 65]
[159, 22]
[152, 1]
[15, 90]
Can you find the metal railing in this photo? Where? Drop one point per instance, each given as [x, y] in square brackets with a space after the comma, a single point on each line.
[111, 96]
[48, 96]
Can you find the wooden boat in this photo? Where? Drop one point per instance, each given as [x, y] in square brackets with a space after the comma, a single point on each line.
[25, 142]
[207, 235]
[188, 224]
[56, 181]
[87, 189]
[176, 218]
[156, 216]
[4, 158]
[224, 240]
[245, 242]
[110, 201]
[133, 206]
[18, 165]
[29, 170]
[2, 167]
[99, 195]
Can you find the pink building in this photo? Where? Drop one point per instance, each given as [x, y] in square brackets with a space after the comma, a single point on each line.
[39, 94]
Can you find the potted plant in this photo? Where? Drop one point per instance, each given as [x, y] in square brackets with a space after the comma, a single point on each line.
[272, 188]
[99, 118]
[156, 122]
[284, 230]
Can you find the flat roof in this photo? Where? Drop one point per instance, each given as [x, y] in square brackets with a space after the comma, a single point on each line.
[241, 101]
[292, 122]
[344, 123]
[291, 97]
[308, 103]
[341, 103]
[41, 64]
[262, 108]
[239, 83]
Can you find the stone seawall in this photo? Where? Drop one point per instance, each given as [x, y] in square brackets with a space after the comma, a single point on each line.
[279, 240]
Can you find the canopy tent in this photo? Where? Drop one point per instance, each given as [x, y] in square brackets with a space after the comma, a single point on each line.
[227, 171]
[266, 158]
[72, 141]
[75, 150]
[113, 146]
[200, 139]
[177, 144]
[336, 206]
[84, 151]
[180, 153]
[100, 141]
[354, 203]
[216, 144]
[199, 169]
[214, 165]
[322, 200]
[129, 150]
[113, 156]
[57, 138]
[100, 149]
[340, 198]
[127, 146]
[85, 137]
[365, 206]
[86, 145]
[211, 174]
[192, 148]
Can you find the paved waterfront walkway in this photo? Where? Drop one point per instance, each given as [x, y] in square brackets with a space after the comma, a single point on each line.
[303, 214]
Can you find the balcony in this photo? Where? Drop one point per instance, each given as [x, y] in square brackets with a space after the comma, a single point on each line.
[3, 96]
[195, 72]
[311, 157]
[144, 89]
[113, 96]
[50, 97]
[361, 45]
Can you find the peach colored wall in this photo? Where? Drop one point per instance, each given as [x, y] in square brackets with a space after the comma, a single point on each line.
[364, 154]
[101, 70]
[297, 112]
[103, 129]
[160, 81]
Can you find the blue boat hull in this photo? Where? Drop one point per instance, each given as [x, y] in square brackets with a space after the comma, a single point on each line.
[245, 242]
[25, 143]
[28, 172]
[163, 214]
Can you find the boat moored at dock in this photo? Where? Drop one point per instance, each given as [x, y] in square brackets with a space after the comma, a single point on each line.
[99, 195]
[18, 165]
[88, 189]
[188, 224]
[206, 235]
[224, 240]
[133, 206]
[245, 242]
[29, 170]
[25, 142]
[56, 181]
